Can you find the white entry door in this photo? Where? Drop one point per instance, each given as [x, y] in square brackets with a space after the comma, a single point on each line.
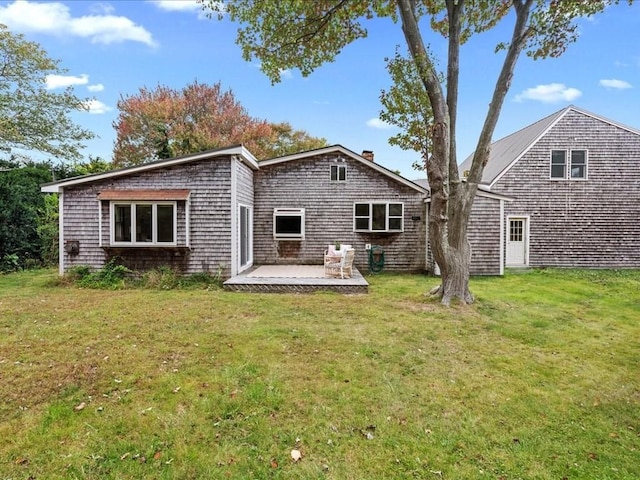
[517, 242]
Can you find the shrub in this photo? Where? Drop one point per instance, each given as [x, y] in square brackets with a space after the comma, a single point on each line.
[10, 263]
[110, 277]
[162, 278]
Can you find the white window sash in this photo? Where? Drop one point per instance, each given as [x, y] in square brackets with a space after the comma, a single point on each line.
[387, 218]
[154, 224]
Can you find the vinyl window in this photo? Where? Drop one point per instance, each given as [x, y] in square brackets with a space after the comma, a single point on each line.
[571, 164]
[378, 217]
[338, 173]
[288, 223]
[143, 223]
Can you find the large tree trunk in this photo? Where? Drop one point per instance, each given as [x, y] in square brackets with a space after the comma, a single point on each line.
[448, 221]
[451, 199]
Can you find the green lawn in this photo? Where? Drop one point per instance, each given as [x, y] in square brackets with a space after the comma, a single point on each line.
[540, 379]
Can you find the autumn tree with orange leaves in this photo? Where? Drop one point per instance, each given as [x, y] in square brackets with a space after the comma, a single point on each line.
[165, 123]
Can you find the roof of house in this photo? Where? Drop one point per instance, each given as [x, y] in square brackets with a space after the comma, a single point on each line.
[483, 190]
[340, 150]
[238, 150]
[508, 150]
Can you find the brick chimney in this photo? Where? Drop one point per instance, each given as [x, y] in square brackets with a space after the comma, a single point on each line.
[368, 154]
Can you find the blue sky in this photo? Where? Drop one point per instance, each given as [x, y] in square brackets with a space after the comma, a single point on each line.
[112, 48]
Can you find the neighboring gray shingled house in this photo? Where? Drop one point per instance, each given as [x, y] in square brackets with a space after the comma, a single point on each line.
[574, 178]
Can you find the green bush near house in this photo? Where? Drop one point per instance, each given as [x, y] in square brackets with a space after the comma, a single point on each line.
[537, 380]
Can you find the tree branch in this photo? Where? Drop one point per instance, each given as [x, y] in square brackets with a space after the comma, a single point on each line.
[518, 41]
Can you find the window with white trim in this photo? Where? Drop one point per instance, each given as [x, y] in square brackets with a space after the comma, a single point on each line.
[378, 217]
[288, 223]
[574, 169]
[578, 168]
[338, 173]
[143, 223]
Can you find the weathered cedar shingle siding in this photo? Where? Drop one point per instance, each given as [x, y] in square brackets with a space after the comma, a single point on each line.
[210, 210]
[306, 183]
[576, 223]
[484, 236]
[244, 179]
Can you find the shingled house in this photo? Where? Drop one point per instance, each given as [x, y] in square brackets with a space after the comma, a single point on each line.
[564, 192]
[224, 211]
[574, 178]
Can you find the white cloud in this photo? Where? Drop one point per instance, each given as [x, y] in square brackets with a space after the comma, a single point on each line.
[185, 6]
[286, 74]
[54, 18]
[63, 81]
[551, 93]
[101, 8]
[96, 107]
[177, 5]
[616, 84]
[379, 124]
[98, 87]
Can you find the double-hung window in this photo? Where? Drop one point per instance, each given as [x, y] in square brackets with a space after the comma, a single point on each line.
[570, 165]
[578, 167]
[288, 223]
[338, 173]
[378, 217]
[143, 223]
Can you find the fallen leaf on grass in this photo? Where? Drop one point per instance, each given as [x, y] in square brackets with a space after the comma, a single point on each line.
[296, 455]
[79, 407]
[157, 455]
[274, 463]
[22, 461]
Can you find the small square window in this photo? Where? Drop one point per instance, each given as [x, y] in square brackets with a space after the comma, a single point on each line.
[338, 173]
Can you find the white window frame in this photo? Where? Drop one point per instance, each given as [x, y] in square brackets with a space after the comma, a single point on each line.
[154, 223]
[564, 166]
[289, 212]
[338, 169]
[568, 162]
[570, 165]
[369, 216]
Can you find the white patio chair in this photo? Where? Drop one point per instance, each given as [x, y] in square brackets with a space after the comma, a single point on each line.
[342, 265]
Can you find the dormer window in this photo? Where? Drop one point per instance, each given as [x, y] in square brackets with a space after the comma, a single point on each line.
[338, 173]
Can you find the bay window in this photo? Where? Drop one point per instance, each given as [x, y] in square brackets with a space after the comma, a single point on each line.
[143, 223]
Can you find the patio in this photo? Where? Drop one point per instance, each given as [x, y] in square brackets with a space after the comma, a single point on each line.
[294, 279]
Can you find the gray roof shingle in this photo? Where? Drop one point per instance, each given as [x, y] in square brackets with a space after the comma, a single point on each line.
[508, 149]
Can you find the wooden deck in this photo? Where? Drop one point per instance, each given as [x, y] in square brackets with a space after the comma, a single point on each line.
[294, 279]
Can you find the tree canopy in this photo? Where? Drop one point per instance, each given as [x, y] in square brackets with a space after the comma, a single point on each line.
[288, 34]
[31, 117]
[165, 122]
